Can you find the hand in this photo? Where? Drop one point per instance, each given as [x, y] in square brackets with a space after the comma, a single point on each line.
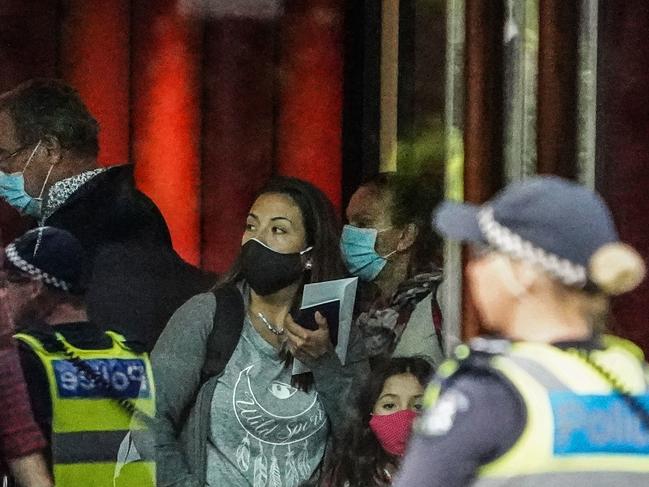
[31, 471]
[306, 344]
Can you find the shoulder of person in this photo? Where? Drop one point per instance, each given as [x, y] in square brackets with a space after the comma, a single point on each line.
[476, 355]
[469, 387]
[199, 305]
[469, 364]
[135, 346]
[198, 315]
[192, 320]
[43, 335]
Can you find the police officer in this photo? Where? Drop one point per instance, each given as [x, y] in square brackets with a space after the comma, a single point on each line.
[553, 401]
[84, 384]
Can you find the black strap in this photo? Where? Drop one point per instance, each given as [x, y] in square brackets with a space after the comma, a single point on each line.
[226, 330]
[438, 320]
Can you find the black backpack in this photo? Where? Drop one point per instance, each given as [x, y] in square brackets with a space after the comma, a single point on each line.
[226, 330]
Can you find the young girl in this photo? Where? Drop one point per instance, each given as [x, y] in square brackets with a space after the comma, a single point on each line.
[370, 451]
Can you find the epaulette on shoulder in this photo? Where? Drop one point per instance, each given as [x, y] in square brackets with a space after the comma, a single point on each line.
[478, 353]
[135, 346]
[48, 339]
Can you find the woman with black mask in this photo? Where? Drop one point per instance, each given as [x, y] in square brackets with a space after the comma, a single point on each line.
[248, 421]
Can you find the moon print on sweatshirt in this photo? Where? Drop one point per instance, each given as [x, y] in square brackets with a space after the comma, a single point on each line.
[282, 423]
[271, 434]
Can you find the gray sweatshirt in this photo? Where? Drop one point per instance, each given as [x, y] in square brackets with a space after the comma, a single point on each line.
[183, 415]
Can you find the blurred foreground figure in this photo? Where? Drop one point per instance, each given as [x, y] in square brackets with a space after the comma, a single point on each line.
[554, 401]
[84, 384]
[49, 171]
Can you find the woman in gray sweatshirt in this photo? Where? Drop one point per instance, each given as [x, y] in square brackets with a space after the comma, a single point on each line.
[247, 421]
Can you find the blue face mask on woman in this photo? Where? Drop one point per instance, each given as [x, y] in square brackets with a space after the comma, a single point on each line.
[12, 190]
[361, 258]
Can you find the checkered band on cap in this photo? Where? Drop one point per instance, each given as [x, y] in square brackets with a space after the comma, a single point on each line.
[503, 239]
[20, 263]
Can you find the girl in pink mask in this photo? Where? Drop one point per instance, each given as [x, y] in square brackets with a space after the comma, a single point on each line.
[370, 451]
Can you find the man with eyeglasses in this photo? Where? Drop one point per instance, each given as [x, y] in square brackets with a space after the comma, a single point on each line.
[49, 171]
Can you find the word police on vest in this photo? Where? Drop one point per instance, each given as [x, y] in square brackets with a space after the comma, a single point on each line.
[127, 378]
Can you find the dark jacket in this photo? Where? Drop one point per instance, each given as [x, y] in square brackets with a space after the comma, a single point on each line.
[137, 280]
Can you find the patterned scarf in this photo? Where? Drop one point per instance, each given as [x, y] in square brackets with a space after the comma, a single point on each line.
[62, 190]
[383, 323]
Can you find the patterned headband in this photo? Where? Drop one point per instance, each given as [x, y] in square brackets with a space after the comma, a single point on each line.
[35, 272]
[504, 240]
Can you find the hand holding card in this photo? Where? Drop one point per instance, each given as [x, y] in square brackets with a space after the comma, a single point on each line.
[331, 312]
[307, 344]
[334, 300]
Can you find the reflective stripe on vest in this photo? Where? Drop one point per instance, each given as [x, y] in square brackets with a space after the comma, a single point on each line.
[88, 423]
[579, 431]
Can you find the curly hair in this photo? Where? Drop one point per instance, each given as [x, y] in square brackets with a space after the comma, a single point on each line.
[41, 107]
[358, 459]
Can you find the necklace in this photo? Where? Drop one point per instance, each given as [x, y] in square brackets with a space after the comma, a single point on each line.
[269, 325]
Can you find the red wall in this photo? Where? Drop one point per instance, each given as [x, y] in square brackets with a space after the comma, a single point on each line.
[311, 88]
[623, 148]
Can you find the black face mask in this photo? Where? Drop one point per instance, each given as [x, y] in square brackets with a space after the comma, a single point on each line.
[268, 271]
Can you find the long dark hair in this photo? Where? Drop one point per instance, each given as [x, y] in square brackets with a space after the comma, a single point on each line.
[358, 457]
[322, 230]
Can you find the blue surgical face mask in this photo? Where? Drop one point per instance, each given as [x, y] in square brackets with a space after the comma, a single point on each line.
[12, 190]
[361, 258]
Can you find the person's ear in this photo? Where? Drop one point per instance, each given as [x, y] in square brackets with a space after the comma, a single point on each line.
[408, 237]
[52, 147]
[510, 277]
[527, 274]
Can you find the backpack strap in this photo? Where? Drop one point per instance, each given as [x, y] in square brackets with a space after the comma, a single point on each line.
[226, 330]
[438, 321]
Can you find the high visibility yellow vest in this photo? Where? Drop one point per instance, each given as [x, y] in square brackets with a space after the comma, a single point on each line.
[579, 430]
[88, 422]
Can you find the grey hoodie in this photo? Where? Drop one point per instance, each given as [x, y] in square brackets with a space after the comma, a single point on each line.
[183, 403]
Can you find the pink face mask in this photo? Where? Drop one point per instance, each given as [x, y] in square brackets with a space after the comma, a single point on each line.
[393, 430]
